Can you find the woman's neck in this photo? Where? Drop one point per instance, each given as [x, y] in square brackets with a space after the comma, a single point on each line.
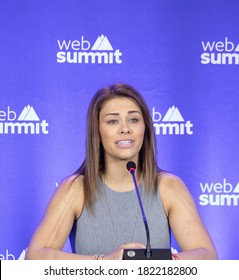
[118, 178]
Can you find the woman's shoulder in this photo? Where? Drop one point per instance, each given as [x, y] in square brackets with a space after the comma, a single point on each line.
[73, 182]
[169, 181]
[170, 187]
[72, 192]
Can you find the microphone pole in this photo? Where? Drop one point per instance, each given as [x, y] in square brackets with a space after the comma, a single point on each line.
[131, 166]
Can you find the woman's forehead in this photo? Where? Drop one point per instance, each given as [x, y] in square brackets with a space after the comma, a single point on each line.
[120, 104]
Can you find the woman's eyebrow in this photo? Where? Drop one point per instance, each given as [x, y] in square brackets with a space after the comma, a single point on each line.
[134, 111]
[111, 114]
[117, 114]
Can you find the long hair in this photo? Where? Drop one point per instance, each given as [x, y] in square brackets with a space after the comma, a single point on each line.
[94, 165]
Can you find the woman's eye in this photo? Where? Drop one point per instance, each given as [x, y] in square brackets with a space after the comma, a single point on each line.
[112, 121]
[134, 120]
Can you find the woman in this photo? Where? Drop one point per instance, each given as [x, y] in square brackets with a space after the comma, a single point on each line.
[98, 203]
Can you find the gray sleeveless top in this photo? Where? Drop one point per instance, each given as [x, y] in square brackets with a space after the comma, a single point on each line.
[117, 219]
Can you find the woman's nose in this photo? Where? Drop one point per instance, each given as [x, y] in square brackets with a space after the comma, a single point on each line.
[125, 129]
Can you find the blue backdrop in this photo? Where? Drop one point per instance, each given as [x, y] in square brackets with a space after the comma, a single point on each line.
[183, 56]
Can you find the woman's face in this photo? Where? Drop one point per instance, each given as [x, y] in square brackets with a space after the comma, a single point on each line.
[122, 128]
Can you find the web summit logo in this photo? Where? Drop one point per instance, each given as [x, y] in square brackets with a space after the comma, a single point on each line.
[221, 52]
[81, 51]
[219, 194]
[8, 256]
[172, 123]
[27, 123]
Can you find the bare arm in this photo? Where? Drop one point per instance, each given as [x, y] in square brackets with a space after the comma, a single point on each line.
[52, 233]
[65, 206]
[185, 221]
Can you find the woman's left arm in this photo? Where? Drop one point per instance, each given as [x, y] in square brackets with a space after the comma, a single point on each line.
[185, 221]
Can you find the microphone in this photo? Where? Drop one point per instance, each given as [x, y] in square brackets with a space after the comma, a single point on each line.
[131, 166]
[142, 254]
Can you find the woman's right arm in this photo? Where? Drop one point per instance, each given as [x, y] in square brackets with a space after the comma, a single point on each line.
[64, 207]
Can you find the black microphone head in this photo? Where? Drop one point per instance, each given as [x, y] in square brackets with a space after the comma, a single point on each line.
[131, 165]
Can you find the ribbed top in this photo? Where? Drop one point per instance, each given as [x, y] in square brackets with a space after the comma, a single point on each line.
[117, 219]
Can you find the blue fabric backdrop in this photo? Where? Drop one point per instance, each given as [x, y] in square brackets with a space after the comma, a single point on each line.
[183, 56]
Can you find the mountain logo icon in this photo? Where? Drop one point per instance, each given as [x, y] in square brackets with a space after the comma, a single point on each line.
[237, 48]
[236, 190]
[102, 44]
[173, 115]
[28, 114]
[22, 255]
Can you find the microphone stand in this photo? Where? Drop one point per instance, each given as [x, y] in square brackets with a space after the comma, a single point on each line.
[142, 254]
[148, 246]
